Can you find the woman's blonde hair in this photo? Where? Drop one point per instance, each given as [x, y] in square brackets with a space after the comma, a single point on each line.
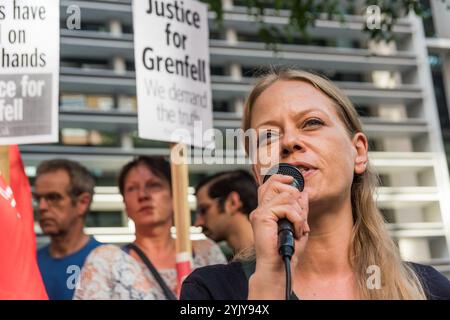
[371, 245]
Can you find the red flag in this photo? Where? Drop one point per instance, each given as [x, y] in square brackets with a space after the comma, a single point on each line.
[19, 272]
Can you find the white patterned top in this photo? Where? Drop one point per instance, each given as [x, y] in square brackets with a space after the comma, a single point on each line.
[110, 273]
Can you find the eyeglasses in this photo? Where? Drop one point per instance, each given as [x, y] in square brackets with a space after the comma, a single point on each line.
[52, 198]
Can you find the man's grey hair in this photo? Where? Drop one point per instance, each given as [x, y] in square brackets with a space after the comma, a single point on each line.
[81, 181]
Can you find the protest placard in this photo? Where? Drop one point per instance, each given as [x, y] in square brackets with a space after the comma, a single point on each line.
[29, 71]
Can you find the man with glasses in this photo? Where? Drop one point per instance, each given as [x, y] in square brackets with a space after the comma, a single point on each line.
[63, 194]
[224, 202]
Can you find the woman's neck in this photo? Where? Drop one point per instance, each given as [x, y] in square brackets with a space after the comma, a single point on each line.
[155, 241]
[327, 250]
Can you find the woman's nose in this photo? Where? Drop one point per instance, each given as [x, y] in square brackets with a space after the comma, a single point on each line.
[144, 193]
[290, 143]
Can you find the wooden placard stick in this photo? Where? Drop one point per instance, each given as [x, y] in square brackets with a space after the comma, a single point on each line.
[4, 163]
[182, 216]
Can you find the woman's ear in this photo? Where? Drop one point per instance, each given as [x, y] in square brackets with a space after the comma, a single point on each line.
[361, 145]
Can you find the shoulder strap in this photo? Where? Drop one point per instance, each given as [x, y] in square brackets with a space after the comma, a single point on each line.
[167, 292]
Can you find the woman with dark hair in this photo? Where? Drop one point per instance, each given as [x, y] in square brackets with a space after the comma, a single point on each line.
[124, 273]
[340, 235]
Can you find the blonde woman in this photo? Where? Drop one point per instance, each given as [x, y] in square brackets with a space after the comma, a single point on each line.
[339, 232]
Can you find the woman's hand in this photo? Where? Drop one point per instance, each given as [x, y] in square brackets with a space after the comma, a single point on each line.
[277, 199]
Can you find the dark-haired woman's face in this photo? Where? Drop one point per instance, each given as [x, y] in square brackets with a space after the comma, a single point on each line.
[147, 198]
[308, 133]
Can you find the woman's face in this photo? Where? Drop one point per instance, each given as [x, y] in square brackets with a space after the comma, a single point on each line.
[147, 197]
[308, 133]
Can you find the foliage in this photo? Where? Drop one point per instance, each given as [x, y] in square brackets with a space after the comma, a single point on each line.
[303, 14]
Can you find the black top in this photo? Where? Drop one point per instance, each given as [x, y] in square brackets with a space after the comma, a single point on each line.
[229, 282]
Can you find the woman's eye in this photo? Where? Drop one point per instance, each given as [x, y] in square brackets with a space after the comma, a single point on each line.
[131, 189]
[314, 122]
[154, 186]
[266, 137]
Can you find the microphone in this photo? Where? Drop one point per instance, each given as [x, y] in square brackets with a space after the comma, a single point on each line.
[286, 244]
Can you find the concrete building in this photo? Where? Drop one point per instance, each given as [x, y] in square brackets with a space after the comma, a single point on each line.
[392, 86]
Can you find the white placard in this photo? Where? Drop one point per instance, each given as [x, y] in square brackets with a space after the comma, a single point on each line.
[172, 70]
[29, 71]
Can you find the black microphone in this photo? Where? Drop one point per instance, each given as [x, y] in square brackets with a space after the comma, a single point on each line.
[286, 244]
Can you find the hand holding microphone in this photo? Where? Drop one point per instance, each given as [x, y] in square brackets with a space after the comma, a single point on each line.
[286, 245]
[281, 204]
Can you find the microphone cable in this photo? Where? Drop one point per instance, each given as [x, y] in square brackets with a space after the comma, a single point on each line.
[287, 266]
[286, 250]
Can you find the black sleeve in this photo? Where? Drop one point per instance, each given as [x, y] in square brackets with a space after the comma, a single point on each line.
[192, 289]
[217, 282]
[435, 284]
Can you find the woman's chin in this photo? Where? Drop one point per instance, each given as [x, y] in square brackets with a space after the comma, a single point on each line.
[151, 222]
[145, 221]
[310, 191]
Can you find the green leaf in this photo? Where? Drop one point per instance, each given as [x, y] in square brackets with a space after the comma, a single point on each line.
[305, 13]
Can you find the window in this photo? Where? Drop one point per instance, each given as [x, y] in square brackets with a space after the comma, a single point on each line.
[85, 137]
[104, 219]
[428, 23]
[127, 103]
[102, 102]
[221, 105]
[144, 143]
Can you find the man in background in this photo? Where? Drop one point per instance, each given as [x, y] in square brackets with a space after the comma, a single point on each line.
[63, 192]
[224, 202]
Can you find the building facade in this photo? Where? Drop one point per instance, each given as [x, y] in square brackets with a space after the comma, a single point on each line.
[391, 85]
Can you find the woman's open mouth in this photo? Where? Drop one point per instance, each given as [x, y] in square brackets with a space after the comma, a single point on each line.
[306, 170]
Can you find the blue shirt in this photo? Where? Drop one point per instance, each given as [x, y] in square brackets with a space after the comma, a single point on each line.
[60, 275]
